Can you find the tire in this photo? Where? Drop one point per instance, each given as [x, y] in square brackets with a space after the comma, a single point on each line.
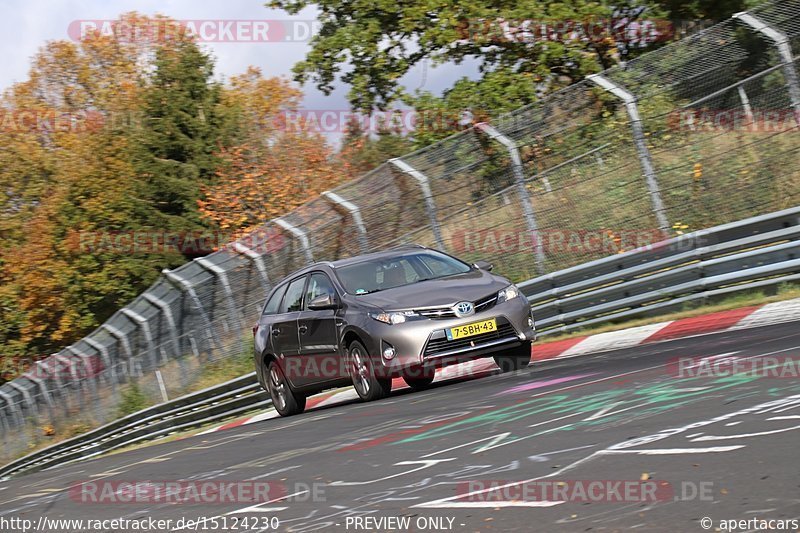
[286, 401]
[368, 386]
[515, 358]
[420, 378]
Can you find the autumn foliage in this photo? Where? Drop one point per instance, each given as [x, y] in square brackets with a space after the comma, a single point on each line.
[140, 138]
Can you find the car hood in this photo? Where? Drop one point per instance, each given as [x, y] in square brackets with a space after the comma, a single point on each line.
[441, 292]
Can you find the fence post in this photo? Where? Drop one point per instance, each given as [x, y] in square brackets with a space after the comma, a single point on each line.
[748, 111]
[126, 344]
[519, 182]
[222, 276]
[141, 322]
[101, 348]
[641, 145]
[171, 324]
[41, 384]
[784, 49]
[301, 236]
[184, 285]
[27, 395]
[66, 361]
[340, 203]
[89, 378]
[258, 261]
[430, 205]
[13, 408]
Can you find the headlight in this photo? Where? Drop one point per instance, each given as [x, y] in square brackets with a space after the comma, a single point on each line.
[392, 318]
[509, 293]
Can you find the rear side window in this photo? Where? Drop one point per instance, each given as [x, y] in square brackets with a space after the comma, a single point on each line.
[275, 301]
[294, 296]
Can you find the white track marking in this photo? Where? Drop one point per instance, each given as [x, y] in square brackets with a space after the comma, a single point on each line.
[675, 451]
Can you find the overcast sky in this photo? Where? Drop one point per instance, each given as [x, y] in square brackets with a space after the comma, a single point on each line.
[27, 24]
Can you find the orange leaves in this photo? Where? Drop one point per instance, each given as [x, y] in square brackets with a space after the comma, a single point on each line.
[257, 183]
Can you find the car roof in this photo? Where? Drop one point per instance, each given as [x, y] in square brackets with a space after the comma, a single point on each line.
[390, 252]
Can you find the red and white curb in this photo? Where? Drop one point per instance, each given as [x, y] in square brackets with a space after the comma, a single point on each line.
[735, 319]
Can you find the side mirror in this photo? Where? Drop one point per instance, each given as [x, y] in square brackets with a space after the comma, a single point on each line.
[483, 265]
[323, 301]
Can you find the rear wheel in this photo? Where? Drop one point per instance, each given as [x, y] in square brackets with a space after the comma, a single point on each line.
[368, 386]
[285, 400]
[419, 378]
[514, 358]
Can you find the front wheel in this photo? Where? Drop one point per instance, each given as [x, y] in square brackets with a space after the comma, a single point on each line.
[514, 358]
[285, 400]
[368, 386]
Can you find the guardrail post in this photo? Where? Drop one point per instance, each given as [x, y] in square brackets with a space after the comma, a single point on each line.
[257, 260]
[184, 285]
[430, 205]
[222, 276]
[301, 236]
[641, 145]
[784, 49]
[519, 182]
[340, 203]
[145, 327]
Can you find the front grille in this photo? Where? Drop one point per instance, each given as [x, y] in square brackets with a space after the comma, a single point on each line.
[447, 312]
[438, 342]
[441, 312]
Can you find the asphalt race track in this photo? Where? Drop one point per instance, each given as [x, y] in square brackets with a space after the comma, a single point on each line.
[457, 456]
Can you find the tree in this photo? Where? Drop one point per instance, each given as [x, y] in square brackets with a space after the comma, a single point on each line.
[272, 169]
[69, 182]
[371, 45]
[364, 150]
[181, 128]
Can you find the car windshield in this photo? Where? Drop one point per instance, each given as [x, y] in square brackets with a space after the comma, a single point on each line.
[374, 275]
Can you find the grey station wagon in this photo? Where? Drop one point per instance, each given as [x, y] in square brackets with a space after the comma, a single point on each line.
[398, 313]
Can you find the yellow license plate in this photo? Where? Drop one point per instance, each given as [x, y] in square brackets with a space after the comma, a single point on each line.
[468, 330]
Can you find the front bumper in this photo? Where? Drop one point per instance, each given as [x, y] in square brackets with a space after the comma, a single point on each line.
[423, 341]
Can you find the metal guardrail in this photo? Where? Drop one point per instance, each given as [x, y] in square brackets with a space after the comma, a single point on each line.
[212, 404]
[744, 255]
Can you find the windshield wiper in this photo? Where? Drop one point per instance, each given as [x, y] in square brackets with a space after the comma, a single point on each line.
[367, 292]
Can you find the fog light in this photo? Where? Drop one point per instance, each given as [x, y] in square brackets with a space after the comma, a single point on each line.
[388, 352]
[530, 322]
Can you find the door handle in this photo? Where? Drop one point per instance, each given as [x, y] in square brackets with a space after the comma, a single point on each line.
[275, 332]
[303, 328]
